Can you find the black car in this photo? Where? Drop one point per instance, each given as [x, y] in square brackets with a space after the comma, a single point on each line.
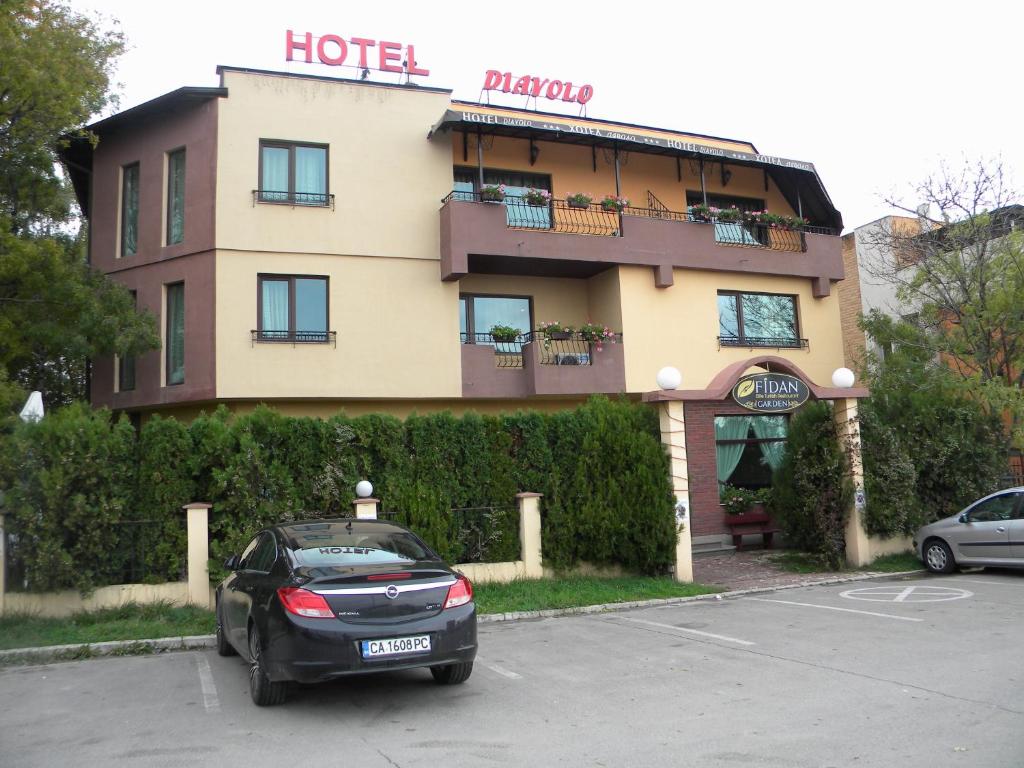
[310, 601]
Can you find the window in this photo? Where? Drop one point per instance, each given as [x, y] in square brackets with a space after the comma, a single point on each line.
[126, 366]
[175, 333]
[478, 314]
[748, 449]
[175, 197]
[757, 320]
[292, 308]
[293, 173]
[129, 209]
[996, 509]
[262, 559]
[518, 212]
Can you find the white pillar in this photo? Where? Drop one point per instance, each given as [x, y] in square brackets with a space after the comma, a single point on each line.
[529, 534]
[365, 509]
[673, 437]
[198, 519]
[858, 545]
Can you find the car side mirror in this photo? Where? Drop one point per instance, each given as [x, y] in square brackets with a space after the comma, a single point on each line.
[231, 563]
[963, 518]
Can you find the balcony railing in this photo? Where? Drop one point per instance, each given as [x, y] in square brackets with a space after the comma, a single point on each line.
[294, 337]
[561, 217]
[573, 350]
[306, 199]
[763, 342]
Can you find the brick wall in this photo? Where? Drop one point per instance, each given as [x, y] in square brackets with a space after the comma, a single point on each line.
[850, 305]
[706, 514]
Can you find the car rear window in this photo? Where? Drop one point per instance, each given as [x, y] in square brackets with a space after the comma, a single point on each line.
[343, 548]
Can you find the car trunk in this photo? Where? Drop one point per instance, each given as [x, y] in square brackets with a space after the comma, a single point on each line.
[361, 595]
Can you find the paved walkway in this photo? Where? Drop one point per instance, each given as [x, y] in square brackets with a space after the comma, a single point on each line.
[748, 570]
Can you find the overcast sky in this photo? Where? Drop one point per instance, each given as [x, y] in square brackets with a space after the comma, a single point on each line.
[875, 94]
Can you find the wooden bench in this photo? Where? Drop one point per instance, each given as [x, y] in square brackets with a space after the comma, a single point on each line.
[751, 522]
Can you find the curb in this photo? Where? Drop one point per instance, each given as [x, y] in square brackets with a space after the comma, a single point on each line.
[75, 652]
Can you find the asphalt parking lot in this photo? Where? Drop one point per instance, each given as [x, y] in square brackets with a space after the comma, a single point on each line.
[919, 671]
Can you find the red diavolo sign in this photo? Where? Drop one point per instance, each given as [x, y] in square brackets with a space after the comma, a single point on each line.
[527, 85]
[333, 50]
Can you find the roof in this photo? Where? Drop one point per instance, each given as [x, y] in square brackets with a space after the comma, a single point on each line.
[798, 180]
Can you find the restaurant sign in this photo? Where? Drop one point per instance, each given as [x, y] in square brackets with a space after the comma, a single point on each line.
[770, 392]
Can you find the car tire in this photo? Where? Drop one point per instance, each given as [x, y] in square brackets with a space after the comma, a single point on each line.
[938, 558]
[224, 648]
[452, 674]
[264, 692]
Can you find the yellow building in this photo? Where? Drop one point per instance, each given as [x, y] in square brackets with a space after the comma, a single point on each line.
[320, 244]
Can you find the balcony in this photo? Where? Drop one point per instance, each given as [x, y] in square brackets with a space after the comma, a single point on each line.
[559, 240]
[531, 366]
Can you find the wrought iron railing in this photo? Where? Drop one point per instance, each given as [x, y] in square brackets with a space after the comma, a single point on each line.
[560, 216]
[307, 199]
[758, 342]
[294, 337]
[560, 349]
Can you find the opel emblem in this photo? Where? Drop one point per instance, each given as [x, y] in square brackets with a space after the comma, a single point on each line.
[391, 591]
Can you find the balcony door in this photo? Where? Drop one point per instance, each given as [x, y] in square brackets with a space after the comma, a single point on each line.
[733, 233]
[517, 211]
[478, 314]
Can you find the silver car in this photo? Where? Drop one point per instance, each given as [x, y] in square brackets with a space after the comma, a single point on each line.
[988, 532]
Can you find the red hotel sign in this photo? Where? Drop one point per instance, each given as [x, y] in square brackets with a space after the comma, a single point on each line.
[534, 86]
[334, 50]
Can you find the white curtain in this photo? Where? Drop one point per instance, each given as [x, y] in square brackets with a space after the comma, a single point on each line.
[310, 175]
[275, 308]
[274, 184]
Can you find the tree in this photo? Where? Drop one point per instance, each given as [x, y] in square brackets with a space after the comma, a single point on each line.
[958, 268]
[55, 312]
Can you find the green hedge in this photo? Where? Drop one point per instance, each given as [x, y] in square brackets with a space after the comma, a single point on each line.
[601, 468]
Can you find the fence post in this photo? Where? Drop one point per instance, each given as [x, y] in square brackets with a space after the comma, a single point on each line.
[529, 533]
[198, 520]
[673, 436]
[365, 509]
[3, 562]
[858, 545]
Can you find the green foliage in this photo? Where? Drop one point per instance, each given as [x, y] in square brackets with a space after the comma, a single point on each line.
[890, 480]
[73, 482]
[454, 481]
[55, 73]
[957, 444]
[811, 493]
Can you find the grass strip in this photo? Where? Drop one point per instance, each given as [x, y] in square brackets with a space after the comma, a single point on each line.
[803, 562]
[127, 622]
[576, 591]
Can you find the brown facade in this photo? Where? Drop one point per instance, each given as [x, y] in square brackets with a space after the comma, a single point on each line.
[192, 126]
[483, 378]
[470, 229]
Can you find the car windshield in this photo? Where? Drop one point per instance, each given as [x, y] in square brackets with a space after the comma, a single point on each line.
[356, 548]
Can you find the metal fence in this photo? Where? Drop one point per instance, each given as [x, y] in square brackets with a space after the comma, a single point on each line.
[563, 349]
[482, 534]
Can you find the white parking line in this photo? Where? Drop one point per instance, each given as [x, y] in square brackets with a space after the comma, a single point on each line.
[1008, 583]
[726, 638]
[502, 671]
[833, 608]
[209, 688]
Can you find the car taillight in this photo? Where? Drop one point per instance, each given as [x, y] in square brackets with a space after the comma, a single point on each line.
[302, 602]
[459, 593]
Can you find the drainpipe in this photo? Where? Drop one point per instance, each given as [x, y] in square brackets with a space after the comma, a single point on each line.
[618, 180]
[480, 156]
[703, 191]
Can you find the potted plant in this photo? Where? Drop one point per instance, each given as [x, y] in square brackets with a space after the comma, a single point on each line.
[743, 501]
[595, 334]
[795, 222]
[555, 331]
[729, 215]
[614, 203]
[578, 200]
[537, 197]
[504, 333]
[492, 193]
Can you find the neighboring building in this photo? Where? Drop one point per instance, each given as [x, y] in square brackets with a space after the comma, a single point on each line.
[320, 244]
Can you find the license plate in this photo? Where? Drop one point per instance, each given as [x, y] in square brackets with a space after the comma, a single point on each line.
[395, 646]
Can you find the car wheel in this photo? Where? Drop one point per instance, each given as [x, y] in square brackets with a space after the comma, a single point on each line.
[264, 692]
[224, 648]
[452, 674]
[938, 558]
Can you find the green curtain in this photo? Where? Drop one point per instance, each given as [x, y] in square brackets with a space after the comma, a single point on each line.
[274, 184]
[728, 455]
[771, 427]
[275, 309]
[310, 175]
[176, 333]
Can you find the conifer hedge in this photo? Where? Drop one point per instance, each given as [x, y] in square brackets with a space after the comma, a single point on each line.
[80, 474]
